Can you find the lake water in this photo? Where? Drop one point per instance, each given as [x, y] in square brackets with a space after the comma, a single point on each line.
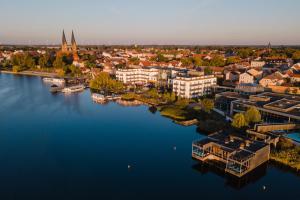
[56, 146]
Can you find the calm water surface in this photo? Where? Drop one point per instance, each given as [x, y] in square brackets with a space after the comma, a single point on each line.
[67, 147]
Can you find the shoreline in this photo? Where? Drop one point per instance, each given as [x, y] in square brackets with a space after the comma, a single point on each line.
[30, 73]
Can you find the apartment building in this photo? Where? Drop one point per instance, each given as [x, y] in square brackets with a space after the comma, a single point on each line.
[192, 87]
[137, 75]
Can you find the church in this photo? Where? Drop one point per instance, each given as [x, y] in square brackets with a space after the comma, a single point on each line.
[69, 49]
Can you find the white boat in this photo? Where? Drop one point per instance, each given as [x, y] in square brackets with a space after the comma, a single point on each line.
[59, 81]
[98, 97]
[76, 88]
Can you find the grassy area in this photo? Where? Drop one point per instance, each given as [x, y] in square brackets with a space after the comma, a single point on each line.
[174, 112]
[129, 97]
[287, 154]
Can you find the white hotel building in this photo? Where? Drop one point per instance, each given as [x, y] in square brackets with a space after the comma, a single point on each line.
[192, 87]
[137, 76]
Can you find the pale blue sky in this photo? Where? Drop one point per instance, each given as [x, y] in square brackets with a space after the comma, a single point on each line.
[199, 22]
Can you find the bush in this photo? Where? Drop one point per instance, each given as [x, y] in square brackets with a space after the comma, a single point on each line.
[17, 68]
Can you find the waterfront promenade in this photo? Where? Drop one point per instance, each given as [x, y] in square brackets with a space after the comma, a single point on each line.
[30, 73]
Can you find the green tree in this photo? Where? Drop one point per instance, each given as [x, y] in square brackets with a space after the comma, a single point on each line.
[169, 96]
[58, 63]
[186, 62]
[161, 58]
[239, 121]
[75, 71]
[217, 61]
[207, 105]
[232, 60]
[197, 61]
[135, 60]
[153, 93]
[296, 55]
[89, 64]
[245, 52]
[208, 70]
[252, 115]
[104, 83]
[43, 61]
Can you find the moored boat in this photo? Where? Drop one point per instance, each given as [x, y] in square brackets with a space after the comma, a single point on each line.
[55, 88]
[99, 98]
[71, 89]
[59, 81]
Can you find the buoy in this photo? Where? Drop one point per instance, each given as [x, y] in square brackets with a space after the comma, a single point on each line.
[264, 187]
[128, 166]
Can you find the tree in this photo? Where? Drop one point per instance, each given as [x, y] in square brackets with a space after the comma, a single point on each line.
[135, 60]
[239, 121]
[232, 60]
[161, 58]
[104, 83]
[75, 71]
[296, 55]
[245, 52]
[58, 63]
[207, 105]
[197, 61]
[89, 64]
[252, 115]
[23, 61]
[186, 62]
[43, 61]
[217, 61]
[208, 70]
[169, 97]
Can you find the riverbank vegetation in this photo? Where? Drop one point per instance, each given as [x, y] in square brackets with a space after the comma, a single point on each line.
[50, 62]
[181, 110]
[104, 83]
[287, 154]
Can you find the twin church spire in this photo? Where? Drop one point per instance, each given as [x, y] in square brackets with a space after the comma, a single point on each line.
[67, 49]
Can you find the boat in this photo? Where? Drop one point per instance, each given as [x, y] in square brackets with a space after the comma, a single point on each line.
[71, 89]
[59, 81]
[99, 98]
[55, 88]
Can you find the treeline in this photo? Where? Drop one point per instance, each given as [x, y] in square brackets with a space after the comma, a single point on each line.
[50, 61]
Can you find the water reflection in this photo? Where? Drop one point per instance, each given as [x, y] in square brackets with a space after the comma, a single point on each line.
[231, 181]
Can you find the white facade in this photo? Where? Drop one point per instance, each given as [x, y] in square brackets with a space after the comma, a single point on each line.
[246, 78]
[257, 63]
[137, 76]
[192, 87]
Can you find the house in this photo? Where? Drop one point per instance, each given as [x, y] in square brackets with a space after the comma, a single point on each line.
[257, 74]
[295, 78]
[246, 78]
[257, 64]
[232, 76]
[274, 79]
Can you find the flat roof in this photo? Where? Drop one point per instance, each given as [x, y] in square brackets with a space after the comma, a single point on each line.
[283, 104]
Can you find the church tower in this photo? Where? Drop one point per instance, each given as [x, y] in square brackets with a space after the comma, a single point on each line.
[74, 47]
[64, 44]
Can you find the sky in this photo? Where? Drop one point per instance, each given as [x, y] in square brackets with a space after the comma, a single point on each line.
[193, 22]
